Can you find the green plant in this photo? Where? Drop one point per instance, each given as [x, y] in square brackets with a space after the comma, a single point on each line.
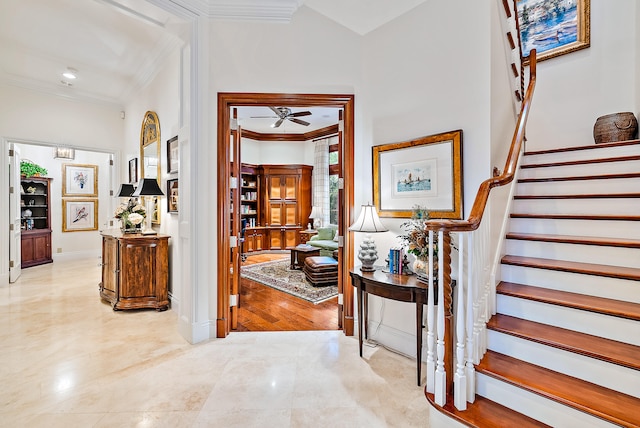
[29, 169]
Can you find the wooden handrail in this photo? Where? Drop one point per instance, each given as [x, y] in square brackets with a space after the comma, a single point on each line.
[480, 203]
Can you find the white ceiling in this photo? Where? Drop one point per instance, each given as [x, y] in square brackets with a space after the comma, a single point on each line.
[117, 45]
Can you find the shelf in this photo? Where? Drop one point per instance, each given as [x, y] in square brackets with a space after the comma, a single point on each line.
[24, 207]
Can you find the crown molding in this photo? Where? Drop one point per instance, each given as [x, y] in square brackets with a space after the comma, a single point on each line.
[244, 10]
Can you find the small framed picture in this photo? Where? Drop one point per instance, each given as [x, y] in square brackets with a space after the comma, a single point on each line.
[79, 180]
[172, 155]
[133, 171]
[172, 195]
[79, 215]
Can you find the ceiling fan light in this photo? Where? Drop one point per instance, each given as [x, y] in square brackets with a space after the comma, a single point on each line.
[71, 73]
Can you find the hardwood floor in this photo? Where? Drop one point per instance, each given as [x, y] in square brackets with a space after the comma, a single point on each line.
[263, 308]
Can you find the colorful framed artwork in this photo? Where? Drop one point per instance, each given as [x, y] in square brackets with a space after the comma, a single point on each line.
[426, 172]
[172, 195]
[79, 215]
[79, 180]
[133, 171]
[172, 155]
[552, 27]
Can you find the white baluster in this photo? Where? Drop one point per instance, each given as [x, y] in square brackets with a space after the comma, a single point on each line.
[471, 314]
[460, 379]
[440, 375]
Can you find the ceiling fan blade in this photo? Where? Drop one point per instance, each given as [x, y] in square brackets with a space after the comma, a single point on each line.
[300, 113]
[298, 121]
[263, 117]
[277, 111]
[278, 123]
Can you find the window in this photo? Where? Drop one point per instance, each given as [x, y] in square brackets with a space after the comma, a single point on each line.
[334, 174]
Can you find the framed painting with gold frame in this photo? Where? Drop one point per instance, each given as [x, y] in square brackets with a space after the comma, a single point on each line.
[79, 180]
[79, 215]
[426, 171]
[553, 28]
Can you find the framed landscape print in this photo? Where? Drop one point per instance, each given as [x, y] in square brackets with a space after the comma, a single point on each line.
[79, 180]
[172, 196]
[553, 27]
[172, 155]
[79, 215]
[426, 172]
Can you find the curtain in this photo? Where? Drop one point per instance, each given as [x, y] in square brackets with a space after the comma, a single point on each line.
[321, 178]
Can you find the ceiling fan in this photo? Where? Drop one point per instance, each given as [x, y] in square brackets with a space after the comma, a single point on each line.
[285, 113]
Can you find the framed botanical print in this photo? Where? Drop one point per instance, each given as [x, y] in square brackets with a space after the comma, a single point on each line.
[79, 180]
[79, 215]
[172, 155]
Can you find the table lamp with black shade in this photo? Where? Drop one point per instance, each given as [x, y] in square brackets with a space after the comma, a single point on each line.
[148, 188]
[368, 222]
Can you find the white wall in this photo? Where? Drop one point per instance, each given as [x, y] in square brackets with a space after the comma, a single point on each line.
[276, 152]
[81, 243]
[161, 95]
[574, 90]
[426, 72]
[27, 115]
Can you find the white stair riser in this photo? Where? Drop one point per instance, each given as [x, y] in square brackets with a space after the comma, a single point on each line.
[598, 152]
[580, 170]
[589, 369]
[595, 324]
[613, 256]
[601, 228]
[592, 285]
[604, 206]
[534, 405]
[576, 187]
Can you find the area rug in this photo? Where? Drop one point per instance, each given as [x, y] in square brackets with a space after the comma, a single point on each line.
[276, 274]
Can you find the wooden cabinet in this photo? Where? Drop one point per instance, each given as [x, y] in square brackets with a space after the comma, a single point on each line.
[135, 270]
[35, 221]
[253, 240]
[283, 205]
[287, 194]
[283, 238]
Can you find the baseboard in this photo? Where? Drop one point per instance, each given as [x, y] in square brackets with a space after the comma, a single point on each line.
[77, 255]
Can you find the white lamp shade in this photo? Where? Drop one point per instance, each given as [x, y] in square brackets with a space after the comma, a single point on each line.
[316, 212]
[368, 221]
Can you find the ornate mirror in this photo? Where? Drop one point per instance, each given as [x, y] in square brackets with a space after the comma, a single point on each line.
[150, 155]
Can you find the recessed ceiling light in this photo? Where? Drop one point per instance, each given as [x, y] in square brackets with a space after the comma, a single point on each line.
[71, 73]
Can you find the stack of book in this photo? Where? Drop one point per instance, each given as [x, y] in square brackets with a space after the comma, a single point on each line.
[396, 258]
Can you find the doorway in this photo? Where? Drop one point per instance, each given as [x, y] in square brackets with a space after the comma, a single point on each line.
[228, 156]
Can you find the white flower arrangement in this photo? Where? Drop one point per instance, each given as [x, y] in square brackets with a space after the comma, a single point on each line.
[132, 214]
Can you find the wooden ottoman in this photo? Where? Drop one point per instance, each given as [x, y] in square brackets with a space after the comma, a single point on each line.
[321, 270]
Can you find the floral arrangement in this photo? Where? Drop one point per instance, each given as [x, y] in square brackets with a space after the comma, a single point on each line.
[417, 235]
[132, 214]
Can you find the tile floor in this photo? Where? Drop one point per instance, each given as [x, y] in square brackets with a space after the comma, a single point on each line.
[68, 360]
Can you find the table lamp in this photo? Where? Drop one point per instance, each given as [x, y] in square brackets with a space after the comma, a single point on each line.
[316, 215]
[369, 223]
[148, 188]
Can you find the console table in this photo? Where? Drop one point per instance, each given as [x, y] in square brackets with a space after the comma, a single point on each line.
[135, 270]
[403, 288]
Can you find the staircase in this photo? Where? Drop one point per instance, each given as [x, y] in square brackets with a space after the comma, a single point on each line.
[564, 346]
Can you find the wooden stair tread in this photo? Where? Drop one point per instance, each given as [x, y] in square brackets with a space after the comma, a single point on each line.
[484, 413]
[598, 401]
[582, 162]
[612, 351]
[575, 267]
[581, 177]
[570, 239]
[601, 305]
[583, 196]
[586, 147]
[577, 217]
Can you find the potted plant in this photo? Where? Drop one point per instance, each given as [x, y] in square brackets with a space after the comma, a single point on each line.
[30, 169]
